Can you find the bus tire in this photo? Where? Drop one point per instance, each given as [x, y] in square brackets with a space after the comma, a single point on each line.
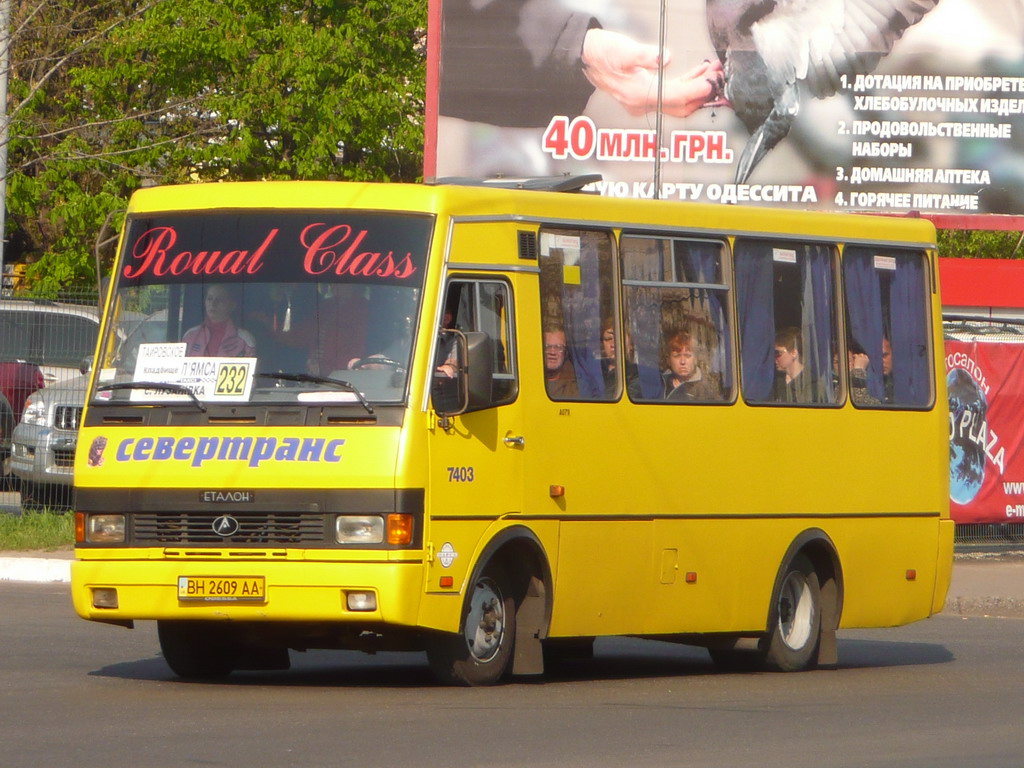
[792, 642]
[196, 650]
[482, 652]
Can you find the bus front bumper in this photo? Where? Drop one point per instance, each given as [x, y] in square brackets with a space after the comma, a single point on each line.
[119, 591]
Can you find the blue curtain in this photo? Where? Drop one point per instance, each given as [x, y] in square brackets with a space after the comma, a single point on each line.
[757, 318]
[644, 307]
[864, 313]
[909, 339]
[581, 308]
[701, 261]
[816, 274]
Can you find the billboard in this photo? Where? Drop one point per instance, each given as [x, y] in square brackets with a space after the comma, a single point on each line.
[985, 379]
[869, 105]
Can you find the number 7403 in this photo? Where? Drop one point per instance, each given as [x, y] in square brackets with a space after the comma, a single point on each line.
[460, 474]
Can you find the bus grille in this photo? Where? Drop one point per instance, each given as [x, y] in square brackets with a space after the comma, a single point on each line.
[256, 528]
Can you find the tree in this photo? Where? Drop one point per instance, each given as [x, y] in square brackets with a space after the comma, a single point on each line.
[179, 91]
[980, 244]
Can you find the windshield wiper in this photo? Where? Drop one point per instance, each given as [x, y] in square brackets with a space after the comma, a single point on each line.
[179, 389]
[310, 379]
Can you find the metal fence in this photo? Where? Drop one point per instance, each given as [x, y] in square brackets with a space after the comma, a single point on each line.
[989, 537]
[57, 336]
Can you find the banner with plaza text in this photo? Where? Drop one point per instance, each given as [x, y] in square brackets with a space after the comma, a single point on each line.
[985, 380]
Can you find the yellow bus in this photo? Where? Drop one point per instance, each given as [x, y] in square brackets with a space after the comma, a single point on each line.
[496, 423]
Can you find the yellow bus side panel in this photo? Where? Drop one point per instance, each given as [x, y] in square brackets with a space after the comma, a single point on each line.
[732, 566]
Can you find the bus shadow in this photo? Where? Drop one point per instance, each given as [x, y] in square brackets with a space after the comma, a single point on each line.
[614, 659]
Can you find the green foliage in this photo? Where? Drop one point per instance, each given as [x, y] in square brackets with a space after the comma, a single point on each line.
[980, 244]
[37, 531]
[179, 91]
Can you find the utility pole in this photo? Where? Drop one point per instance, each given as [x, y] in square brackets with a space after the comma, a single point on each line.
[659, 118]
[5, 68]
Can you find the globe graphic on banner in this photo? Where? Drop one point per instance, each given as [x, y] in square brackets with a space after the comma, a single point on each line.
[967, 412]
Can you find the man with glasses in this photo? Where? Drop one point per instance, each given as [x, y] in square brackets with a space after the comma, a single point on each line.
[559, 374]
[793, 383]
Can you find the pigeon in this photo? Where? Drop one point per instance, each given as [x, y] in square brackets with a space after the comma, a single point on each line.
[777, 52]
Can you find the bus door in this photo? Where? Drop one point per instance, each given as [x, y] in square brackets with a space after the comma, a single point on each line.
[476, 462]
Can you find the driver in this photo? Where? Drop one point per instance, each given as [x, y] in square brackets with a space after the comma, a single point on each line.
[342, 327]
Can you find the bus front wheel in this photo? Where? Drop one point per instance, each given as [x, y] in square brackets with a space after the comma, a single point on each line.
[196, 650]
[480, 654]
[792, 643]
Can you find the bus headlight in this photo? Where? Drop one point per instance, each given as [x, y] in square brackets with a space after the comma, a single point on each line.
[359, 529]
[104, 529]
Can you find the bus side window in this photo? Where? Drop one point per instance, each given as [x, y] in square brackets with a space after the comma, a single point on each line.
[787, 318]
[679, 343]
[887, 294]
[577, 291]
[484, 306]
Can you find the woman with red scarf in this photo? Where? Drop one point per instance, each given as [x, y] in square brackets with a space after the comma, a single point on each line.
[218, 336]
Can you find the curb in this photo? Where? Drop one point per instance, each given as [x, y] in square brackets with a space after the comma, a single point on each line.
[981, 607]
[35, 569]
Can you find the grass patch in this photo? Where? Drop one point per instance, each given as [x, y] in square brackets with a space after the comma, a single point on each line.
[37, 531]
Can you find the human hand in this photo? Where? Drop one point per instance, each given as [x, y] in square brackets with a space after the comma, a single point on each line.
[682, 96]
[860, 361]
[623, 68]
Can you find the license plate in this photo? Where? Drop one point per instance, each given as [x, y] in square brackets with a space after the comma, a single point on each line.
[222, 588]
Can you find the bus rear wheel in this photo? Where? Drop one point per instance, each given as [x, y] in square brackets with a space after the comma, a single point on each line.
[792, 643]
[481, 653]
[196, 650]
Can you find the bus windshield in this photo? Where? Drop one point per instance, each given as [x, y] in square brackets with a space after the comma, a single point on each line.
[264, 306]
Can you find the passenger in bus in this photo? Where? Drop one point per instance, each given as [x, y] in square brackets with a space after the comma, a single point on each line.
[857, 363]
[683, 378]
[793, 383]
[559, 374]
[609, 365]
[218, 336]
[607, 358]
[887, 368]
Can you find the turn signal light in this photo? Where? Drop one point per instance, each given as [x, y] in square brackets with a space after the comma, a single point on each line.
[399, 529]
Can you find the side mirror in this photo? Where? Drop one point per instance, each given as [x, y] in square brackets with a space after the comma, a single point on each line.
[470, 389]
[480, 370]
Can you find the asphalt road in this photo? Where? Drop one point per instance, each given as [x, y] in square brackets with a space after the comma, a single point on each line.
[944, 692]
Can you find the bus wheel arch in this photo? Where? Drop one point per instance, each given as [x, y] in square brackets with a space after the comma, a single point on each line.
[806, 605]
[507, 606]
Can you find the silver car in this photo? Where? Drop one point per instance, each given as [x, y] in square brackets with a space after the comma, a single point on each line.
[43, 445]
[56, 337]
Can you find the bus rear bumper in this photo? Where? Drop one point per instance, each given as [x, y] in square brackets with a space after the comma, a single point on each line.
[124, 590]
